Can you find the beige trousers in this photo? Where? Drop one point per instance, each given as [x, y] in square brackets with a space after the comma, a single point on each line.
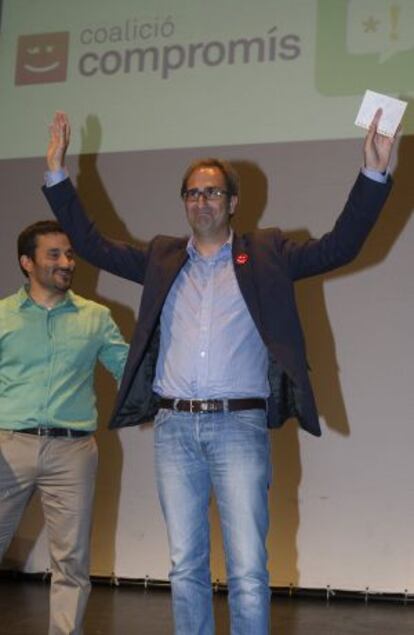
[63, 470]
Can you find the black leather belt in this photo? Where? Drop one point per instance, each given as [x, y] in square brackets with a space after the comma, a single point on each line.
[41, 431]
[212, 405]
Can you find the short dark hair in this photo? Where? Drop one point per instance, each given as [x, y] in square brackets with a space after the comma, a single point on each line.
[228, 171]
[27, 239]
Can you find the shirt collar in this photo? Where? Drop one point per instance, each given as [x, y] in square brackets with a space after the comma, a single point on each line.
[221, 254]
[24, 300]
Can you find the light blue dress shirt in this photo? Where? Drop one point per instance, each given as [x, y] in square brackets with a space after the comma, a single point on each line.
[210, 346]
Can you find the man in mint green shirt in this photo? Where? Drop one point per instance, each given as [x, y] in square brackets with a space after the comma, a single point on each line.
[50, 342]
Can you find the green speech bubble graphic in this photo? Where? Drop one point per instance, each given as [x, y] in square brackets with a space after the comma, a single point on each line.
[364, 43]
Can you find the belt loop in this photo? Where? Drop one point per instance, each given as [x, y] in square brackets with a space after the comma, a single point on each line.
[225, 405]
[175, 405]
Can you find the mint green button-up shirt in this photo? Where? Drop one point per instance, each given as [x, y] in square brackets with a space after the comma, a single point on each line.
[48, 358]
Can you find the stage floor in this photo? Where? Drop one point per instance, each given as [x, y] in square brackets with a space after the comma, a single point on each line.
[129, 610]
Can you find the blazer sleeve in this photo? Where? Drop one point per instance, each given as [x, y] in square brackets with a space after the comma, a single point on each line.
[121, 259]
[343, 243]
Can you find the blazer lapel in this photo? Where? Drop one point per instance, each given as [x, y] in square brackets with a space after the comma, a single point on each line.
[244, 269]
[163, 273]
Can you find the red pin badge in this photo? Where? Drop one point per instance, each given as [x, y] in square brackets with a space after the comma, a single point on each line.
[242, 258]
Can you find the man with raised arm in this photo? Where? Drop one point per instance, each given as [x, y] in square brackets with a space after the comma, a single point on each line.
[217, 357]
[50, 342]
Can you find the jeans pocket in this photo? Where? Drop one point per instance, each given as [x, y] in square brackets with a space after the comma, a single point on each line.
[256, 419]
[162, 417]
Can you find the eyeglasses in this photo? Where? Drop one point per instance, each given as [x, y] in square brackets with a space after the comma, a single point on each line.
[209, 193]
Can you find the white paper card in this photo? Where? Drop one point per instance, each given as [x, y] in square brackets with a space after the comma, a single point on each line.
[392, 112]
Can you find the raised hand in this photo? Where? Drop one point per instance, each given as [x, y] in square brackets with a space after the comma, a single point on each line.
[377, 147]
[59, 137]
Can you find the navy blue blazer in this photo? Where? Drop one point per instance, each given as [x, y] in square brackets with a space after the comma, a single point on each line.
[266, 271]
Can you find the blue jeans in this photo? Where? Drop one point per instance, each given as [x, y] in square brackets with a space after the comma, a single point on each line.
[229, 453]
